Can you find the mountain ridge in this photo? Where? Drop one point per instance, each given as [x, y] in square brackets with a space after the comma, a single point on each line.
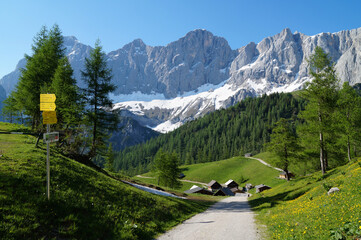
[200, 73]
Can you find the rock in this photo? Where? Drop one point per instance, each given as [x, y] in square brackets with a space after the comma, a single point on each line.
[333, 190]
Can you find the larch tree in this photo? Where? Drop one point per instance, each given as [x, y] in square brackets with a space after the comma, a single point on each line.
[321, 92]
[101, 119]
[348, 115]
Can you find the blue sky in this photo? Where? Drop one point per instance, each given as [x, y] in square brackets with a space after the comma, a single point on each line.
[158, 22]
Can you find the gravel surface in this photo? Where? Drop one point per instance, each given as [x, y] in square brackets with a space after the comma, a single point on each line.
[231, 218]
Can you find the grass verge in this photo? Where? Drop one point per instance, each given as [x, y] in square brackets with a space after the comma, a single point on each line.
[84, 204]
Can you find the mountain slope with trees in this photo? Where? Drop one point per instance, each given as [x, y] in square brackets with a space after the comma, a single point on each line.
[219, 135]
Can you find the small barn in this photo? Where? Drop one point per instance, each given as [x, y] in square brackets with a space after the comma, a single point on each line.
[249, 186]
[214, 185]
[236, 190]
[261, 188]
[181, 175]
[283, 175]
[196, 189]
[248, 155]
[231, 184]
[224, 192]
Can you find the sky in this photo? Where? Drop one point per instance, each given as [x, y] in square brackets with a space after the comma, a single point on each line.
[159, 22]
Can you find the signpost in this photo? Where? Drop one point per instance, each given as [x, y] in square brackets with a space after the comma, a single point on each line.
[47, 105]
[49, 117]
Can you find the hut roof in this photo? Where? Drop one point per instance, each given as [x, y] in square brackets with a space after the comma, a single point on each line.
[196, 189]
[213, 182]
[224, 192]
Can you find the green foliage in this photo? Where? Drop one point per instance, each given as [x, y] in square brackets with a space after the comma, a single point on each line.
[97, 77]
[167, 170]
[109, 158]
[348, 117]
[321, 93]
[84, 203]
[37, 76]
[235, 131]
[284, 144]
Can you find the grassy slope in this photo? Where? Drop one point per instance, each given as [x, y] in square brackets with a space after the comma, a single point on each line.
[301, 208]
[237, 168]
[85, 204]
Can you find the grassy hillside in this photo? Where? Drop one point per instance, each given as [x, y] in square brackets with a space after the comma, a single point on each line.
[84, 204]
[239, 169]
[301, 208]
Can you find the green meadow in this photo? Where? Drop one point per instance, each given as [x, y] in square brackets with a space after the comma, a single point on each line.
[85, 203]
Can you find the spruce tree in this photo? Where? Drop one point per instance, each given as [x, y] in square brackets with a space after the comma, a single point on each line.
[101, 119]
[37, 75]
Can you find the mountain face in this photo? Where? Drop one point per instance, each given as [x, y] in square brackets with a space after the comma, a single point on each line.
[162, 87]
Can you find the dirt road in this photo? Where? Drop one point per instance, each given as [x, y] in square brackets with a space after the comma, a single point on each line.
[228, 219]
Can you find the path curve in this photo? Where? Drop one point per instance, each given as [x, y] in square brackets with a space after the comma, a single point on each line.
[267, 164]
[230, 218]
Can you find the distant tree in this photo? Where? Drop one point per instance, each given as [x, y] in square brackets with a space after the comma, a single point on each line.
[11, 110]
[167, 170]
[97, 77]
[348, 116]
[109, 158]
[284, 145]
[322, 95]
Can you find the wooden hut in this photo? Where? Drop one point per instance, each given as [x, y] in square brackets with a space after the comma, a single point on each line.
[196, 189]
[214, 185]
[261, 188]
[224, 192]
[284, 176]
[231, 184]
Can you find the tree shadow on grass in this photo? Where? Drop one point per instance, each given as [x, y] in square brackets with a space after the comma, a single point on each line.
[270, 201]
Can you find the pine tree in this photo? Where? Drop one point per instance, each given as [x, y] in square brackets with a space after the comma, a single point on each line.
[97, 77]
[322, 95]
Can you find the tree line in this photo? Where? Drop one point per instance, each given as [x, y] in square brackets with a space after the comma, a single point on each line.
[84, 116]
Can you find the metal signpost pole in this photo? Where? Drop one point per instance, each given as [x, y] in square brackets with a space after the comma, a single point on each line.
[48, 163]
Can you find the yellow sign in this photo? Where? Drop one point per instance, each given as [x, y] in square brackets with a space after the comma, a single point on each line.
[47, 106]
[47, 98]
[49, 117]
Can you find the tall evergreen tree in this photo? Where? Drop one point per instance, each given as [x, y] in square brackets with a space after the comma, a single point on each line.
[322, 95]
[37, 75]
[68, 99]
[97, 77]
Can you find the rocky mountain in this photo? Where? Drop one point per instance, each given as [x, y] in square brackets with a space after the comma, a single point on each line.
[130, 133]
[162, 87]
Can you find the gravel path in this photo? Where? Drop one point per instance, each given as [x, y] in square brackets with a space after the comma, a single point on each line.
[267, 164]
[231, 218]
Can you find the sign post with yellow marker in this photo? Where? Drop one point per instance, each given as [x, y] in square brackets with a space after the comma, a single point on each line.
[47, 105]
